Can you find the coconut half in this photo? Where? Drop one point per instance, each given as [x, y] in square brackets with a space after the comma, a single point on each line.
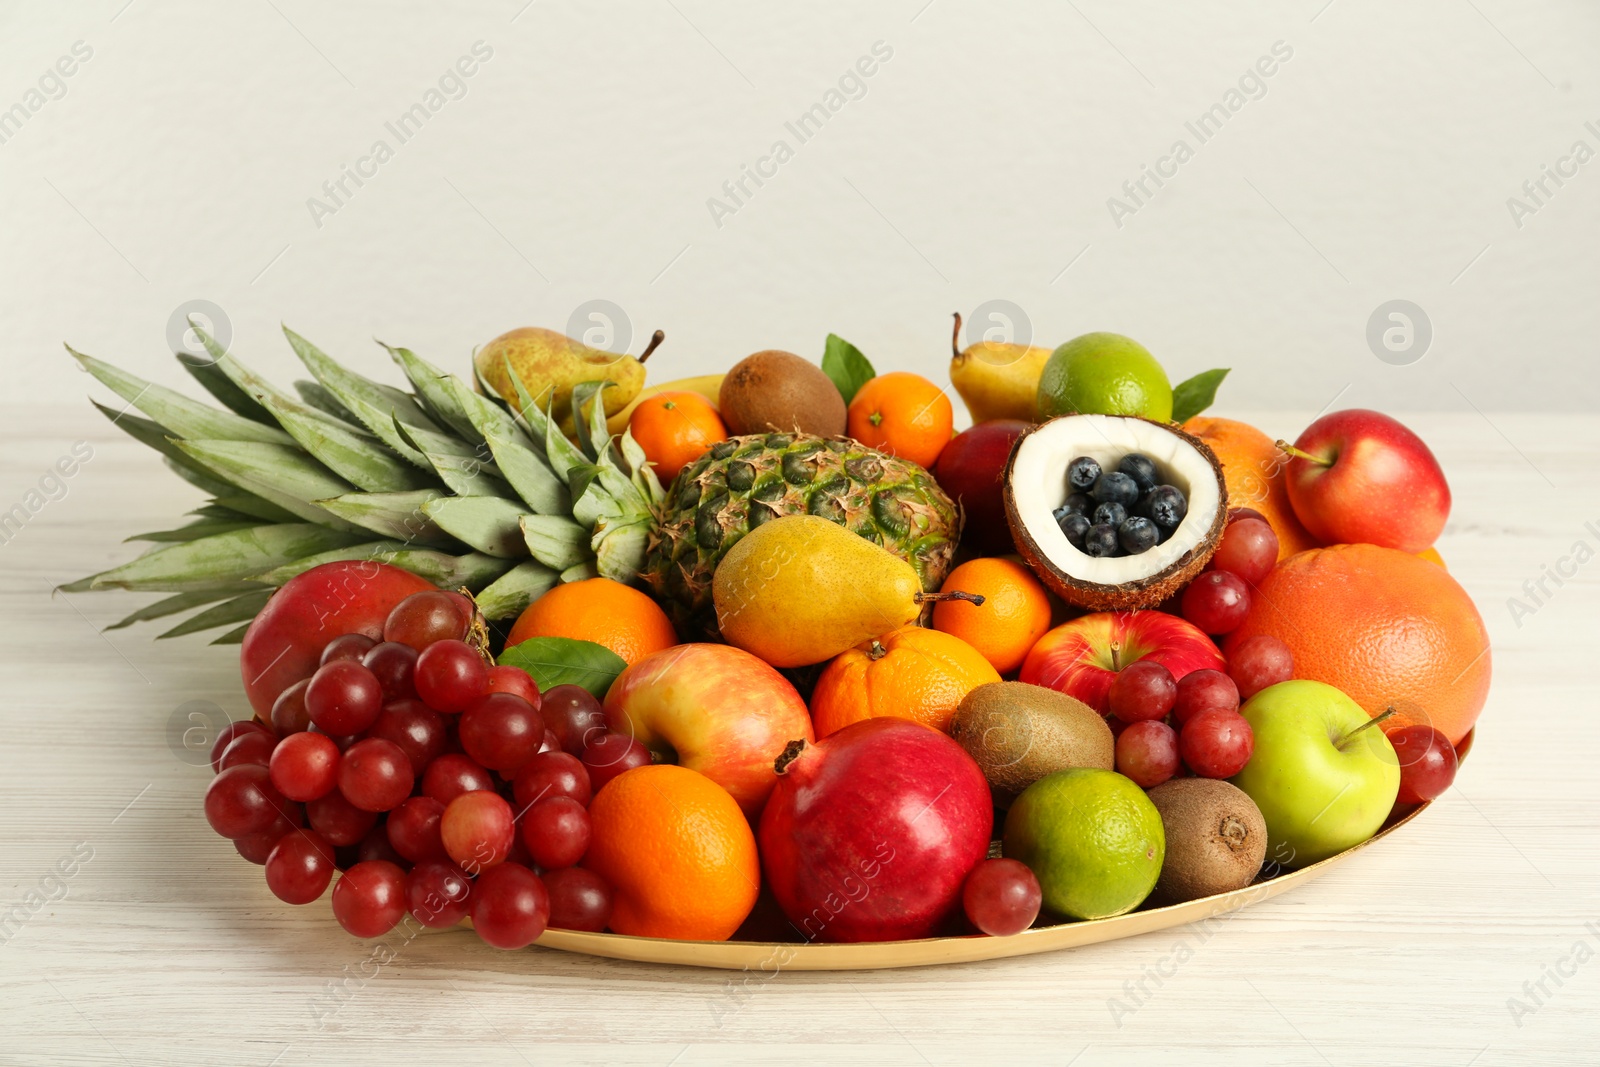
[1036, 485]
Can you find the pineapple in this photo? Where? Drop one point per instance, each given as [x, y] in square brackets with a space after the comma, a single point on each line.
[744, 481]
[468, 492]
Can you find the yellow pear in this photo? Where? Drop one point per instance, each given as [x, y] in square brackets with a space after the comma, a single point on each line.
[800, 589]
[550, 364]
[997, 380]
[707, 385]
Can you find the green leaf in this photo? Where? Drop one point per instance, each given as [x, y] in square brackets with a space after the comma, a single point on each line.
[344, 383]
[555, 541]
[194, 598]
[233, 637]
[1190, 398]
[235, 556]
[434, 390]
[473, 570]
[507, 595]
[566, 661]
[846, 366]
[487, 523]
[284, 475]
[527, 471]
[398, 516]
[178, 414]
[321, 397]
[239, 609]
[219, 385]
[193, 531]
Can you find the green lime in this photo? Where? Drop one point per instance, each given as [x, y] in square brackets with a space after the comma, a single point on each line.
[1093, 839]
[1104, 374]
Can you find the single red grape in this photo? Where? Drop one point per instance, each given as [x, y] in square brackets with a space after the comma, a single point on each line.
[1216, 744]
[1204, 690]
[1249, 548]
[258, 846]
[1235, 514]
[477, 829]
[438, 894]
[393, 664]
[413, 830]
[574, 714]
[340, 822]
[1217, 602]
[229, 733]
[453, 774]
[375, 775]
[305, 766]
[1001, 897]
[502, 732]
[289, 714]
[579, 899]
[1427, 762]
[556, 832]
[610, 755]
[344, 697]
[416, 728]
[241, 800]
[370, 899]
[552, 774]
[300, 867]
[450, 676]
[510, 907]
[347, 646]
[551, 742]
[1144, 689]
[376, 846]
[1147, 752]
[1258, 662]
[516, 681]
[422, 619]
[252, 746]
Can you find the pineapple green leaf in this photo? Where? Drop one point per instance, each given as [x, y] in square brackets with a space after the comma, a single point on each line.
[242, 608]
[355, 457]
[464, 471]
[385, 423]
[525, 469]
[345, 383]
[594, 437]
[580, 572]
[264, 392]
[321, 397]
[397, 516]
[559, 452]
[556, 541]
[507, 595]
[473, 569]
[620, 550]
[181, 416]
[235, 556]
[154, 435]
[212, 380]
[434, 391]
[232, 637]
[282, 475]
[487, 523]
[644, 474]
[193, 531]
[193, 598]
[254, 506]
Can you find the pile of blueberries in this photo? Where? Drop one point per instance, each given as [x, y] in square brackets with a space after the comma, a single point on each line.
[1121, 512]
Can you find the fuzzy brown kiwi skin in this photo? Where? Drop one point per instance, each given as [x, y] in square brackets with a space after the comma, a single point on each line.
[1216, 838]
[1017, 733]
[778, 391]
[1144, 592]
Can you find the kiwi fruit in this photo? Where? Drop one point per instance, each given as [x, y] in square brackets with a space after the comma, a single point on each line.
[775, 390]
[1018, 733]
[1216, 838]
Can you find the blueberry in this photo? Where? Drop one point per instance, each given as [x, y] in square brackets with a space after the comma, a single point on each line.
[1137, 534]
[1082, 472]
[1116, 488]
[1074, 526]
[1082, 503]
[1142, 469]
[1110, 514]
[1166, 506]
[1101, 540]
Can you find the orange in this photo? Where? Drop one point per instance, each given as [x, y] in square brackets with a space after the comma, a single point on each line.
[1253, 468]
[903, 414]
[909, 673]
[600, 610]
[679, 855]
[1388, 628]
[675, 429]
[1014, 614]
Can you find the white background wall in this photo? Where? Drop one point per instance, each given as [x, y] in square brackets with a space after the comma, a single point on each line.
[977, 166]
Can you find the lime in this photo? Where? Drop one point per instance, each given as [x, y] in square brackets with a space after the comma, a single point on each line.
[1091, 837]
[1104, 374]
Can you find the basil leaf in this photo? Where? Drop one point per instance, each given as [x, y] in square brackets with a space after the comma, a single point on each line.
[1191, 397]
[566, 661]
[846, 366]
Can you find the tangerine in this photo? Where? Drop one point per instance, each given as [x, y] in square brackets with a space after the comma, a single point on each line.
[1014, 614]
[908, 673]
[1254, 470]
[903, 414]
[675, 429]
[606, 612]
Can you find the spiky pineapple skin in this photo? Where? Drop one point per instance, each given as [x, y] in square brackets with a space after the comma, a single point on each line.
[744, 481]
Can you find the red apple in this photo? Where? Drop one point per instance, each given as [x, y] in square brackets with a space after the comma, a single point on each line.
[715, 709]
[872, 831]
[1081, 658]
[972, 470]
[1360, 477]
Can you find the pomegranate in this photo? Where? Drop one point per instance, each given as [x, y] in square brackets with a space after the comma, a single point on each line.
[285, 640]
[871, 831]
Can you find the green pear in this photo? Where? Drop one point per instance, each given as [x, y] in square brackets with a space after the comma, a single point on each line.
[551, 364]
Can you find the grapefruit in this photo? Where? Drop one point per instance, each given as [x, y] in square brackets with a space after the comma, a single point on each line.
[1253, 468]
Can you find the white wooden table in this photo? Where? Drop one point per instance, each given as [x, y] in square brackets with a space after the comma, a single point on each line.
[165, 948]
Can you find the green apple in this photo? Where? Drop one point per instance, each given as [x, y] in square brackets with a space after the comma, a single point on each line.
[1322, 782]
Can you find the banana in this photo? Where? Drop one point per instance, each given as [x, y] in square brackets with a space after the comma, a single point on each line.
[707, 385]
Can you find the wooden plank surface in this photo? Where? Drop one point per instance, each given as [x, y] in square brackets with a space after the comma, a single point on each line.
[163, 947]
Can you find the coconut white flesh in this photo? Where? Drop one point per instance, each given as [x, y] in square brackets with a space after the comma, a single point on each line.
[1039, 486]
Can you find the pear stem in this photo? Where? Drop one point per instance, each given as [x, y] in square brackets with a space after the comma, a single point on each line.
[1375, 720]
[939, 598]
[1289, 450]
[655, 342]
[955, 338]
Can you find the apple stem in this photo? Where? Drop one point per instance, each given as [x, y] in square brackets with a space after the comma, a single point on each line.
[1375, 720]
[938, 598]
[655, 343]
[955, 338]
[1298, 453]
[790, 753]
[1116, 656]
